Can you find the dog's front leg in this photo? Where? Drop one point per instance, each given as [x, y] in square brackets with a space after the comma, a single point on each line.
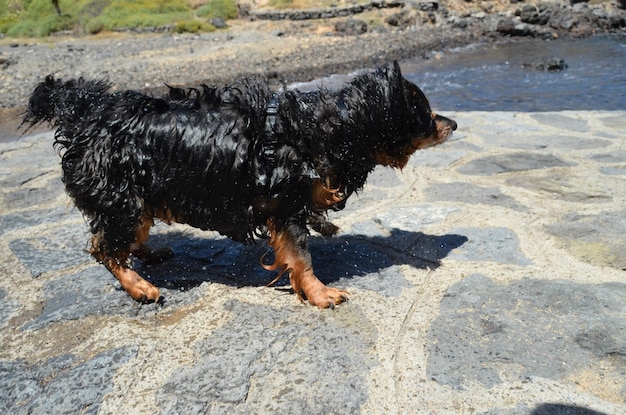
[138, 288]
[292, 255]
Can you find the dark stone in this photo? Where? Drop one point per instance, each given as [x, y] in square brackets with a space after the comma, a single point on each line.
[351, 27]
[233, 374]
[495, 164]
[6, 62]
[596, 239]
[616, 21]
[25, 219]
[27, 194]
[65, 384]
[508, 27]
[427, 6]
[570, 123]
[539, 15]
[495, 244]
[470, 193]
[461, 23]
[400, 19]
[218, 23]
[562, 19]
[56, 249]
[525, 328]
[551, 64]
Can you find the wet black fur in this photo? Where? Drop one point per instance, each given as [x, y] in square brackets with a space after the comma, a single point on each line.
[213, 157]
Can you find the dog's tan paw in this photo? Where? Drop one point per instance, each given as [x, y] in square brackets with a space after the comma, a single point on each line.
[138, 288]
[327, 297]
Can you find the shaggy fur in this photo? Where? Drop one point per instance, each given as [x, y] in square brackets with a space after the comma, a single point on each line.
[240, 160]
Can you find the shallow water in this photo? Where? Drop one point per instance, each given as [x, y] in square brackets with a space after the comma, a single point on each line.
[493, 78]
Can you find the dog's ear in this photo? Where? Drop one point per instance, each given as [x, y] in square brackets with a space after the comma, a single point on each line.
[396, 69]
[396, 76]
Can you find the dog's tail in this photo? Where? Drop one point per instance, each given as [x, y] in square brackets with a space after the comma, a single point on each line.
[63, 103]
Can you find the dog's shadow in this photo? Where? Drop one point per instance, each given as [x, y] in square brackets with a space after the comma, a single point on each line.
[220, 260]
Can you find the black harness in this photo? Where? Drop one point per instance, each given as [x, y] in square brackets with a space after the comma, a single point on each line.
[270, 113]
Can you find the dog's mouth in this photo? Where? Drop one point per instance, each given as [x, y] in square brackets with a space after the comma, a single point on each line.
[443, 129]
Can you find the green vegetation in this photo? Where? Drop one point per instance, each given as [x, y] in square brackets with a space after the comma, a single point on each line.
[226, 9]
[40, 18]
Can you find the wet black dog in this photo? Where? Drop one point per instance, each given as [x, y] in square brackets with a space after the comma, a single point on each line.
[241, 160]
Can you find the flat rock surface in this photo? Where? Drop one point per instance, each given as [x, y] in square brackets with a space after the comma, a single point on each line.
[487, 277]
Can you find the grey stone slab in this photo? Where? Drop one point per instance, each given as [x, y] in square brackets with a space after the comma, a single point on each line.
[599, 239]
[371, 262]
[28, 218]
[27, 196]
[614, 171]
[347, 257]
[402, 234]
[504, 163]
[95, 291]
[470, 193]
[541, 142]
[74, 296]
[62, 385]
[36, 152]
[489, 244]
[17, 178]
[199, 259]
[388, 282]
[434, 248]
[564, 122]
[567, 187]
[276, 361]
[614, 121]
[56, 249]
[524, 329]
[618, 156]
[418, 248]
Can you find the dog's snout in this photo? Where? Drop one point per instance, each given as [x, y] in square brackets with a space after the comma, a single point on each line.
[446, 120]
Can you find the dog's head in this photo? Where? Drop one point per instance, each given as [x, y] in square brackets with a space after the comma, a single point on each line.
[423, 127]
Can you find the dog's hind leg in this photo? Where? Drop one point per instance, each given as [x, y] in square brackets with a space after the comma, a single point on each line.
[138, 288]
[292, 256]
[143, 252]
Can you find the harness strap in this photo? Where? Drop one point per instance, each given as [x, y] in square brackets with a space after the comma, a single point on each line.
[270, 113]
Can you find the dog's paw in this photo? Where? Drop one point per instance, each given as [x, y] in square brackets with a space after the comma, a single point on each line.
[327, 297]
[148, 293]
[138, 288]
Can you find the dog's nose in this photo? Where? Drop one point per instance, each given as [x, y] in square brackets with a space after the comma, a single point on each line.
[446, 120]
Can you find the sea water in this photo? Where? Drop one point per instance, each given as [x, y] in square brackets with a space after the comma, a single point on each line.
[500, 77]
